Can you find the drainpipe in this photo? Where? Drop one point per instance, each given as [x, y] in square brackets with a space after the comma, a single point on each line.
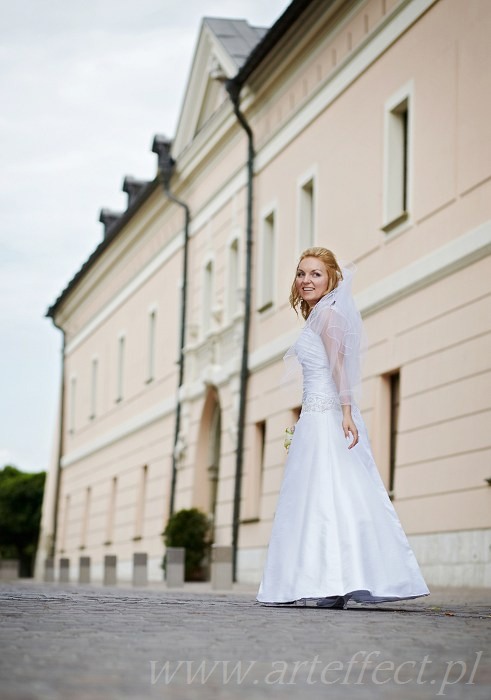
[52, 547]
[233, 89]
[161, 146]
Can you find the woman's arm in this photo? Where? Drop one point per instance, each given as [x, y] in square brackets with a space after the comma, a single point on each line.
[332, 336]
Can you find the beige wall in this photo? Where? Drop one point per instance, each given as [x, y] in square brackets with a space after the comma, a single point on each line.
[135, 434]
[319, 108]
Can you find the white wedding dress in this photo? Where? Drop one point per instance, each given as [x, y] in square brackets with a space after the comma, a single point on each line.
[335, 531]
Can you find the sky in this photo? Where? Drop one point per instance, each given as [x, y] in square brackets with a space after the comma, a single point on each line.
[84, 87]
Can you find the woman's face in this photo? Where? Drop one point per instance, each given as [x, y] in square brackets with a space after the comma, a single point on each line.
[311, 280]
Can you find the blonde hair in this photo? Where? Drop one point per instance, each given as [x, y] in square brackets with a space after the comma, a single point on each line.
[334, 276]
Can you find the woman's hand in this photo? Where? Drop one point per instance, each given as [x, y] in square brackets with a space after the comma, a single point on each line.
[349, 426]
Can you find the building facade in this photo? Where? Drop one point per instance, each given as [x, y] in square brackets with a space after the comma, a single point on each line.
[371, 137]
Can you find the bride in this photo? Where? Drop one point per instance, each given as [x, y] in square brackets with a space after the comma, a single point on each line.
[336, 536]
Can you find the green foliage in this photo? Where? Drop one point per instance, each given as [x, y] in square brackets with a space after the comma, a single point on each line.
[21, 497]
[190, 528]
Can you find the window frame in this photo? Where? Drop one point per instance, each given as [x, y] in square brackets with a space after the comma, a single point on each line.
[234, 290]
[208, 287]
[396, 219]
[120, 365]
[265, 304]
[310, 176]
[72, 404]
[94, 385]
[152, 315]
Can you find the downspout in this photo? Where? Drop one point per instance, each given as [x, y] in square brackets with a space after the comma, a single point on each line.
[161, 146]
[52, 547]
[233, 89]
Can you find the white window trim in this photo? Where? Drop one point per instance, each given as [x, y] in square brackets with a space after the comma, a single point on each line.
[120, 370]
[94, 360]
[391, 225]
[209, 258]
[151, 350]
[310, 175]
[66, 521]
[72, 403]
[111, 511]
[262, 305]
[85, 517]
[234, 237]
[141, 503]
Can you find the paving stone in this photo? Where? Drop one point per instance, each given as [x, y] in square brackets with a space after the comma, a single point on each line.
[116, 643]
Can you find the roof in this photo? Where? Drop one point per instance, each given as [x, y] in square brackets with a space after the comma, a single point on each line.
[236, 36]
[294, 10]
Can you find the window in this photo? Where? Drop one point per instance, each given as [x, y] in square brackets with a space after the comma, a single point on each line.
[397, 160]
[394, 383]
[254, 482]
[207, 297]
[140, 506]
[111, 512]
[306, 215]
[120, 368]
[385, 426]
[85, 520]
[267, 264]
[93, 388]
[233, 278]
[73, 404]
[66, 520]
[152, 324]
[213, 468]
[260, 444]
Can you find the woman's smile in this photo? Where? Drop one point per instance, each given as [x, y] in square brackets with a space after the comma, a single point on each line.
[312, 280]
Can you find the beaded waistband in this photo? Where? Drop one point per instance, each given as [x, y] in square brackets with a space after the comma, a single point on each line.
[319, 403]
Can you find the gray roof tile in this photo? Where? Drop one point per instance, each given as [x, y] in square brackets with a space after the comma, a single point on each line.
[237, 36]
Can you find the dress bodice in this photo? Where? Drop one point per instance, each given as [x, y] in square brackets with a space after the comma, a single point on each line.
[319, 389]
[329, 349]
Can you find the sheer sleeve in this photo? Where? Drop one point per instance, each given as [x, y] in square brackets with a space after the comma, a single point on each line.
[338, 323]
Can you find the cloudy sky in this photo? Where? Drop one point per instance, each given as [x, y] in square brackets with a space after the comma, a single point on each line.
[84, 86]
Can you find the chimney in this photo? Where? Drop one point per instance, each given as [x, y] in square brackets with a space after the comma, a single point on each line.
[162, 147]
[133, 187]
[108, 218]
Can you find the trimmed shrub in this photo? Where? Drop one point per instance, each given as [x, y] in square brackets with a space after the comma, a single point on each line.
[190, 528]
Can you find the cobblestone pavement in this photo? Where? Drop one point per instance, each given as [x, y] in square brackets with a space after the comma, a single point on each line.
[72, 642]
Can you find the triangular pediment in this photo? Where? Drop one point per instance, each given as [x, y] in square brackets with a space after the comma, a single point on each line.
[223, 45]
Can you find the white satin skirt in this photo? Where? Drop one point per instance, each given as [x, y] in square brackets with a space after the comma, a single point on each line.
[335, 531]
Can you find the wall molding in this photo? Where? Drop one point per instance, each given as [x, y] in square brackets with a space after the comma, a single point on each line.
[356, 64]
[127, 291]
[142, 420]
[444, 261]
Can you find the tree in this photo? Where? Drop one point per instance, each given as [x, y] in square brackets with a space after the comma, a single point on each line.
[21, 497]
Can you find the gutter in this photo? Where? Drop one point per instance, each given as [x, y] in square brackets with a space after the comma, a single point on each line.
[233, 89]
[161, 146]
[52, 547]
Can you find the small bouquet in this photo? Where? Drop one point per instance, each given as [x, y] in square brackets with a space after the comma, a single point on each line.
[288, 437]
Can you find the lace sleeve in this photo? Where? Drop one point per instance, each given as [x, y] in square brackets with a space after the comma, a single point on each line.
[338, 323]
